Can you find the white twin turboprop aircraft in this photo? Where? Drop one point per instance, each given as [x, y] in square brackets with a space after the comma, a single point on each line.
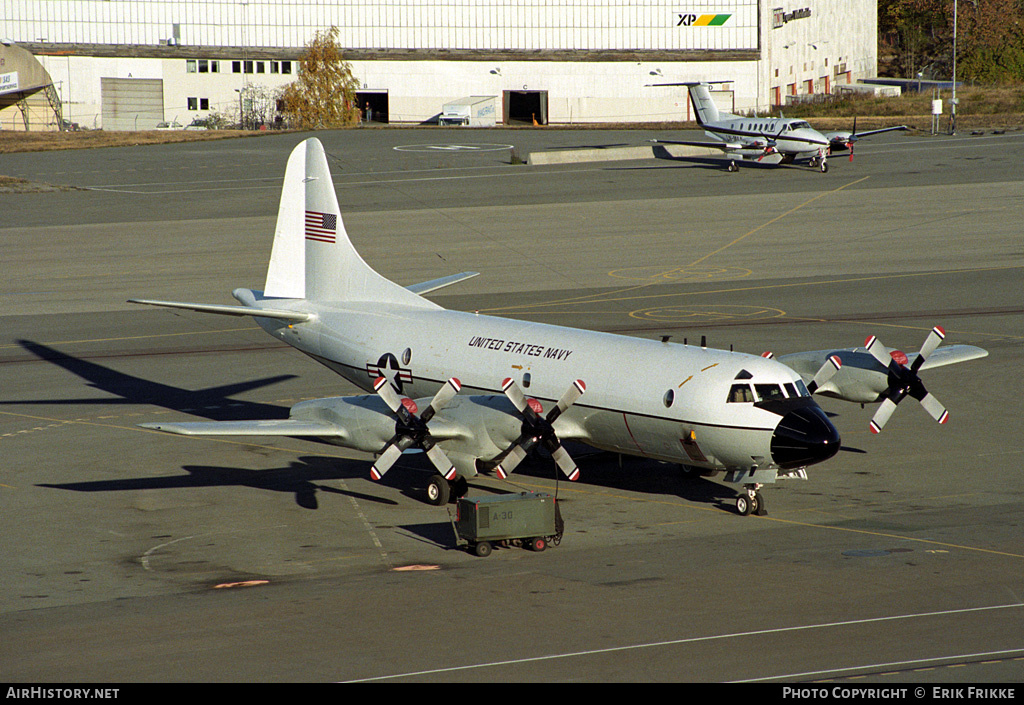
[455, 384]
[754, 138]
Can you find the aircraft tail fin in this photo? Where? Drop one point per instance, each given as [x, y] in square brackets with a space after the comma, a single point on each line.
[703, 104]
[312, 257]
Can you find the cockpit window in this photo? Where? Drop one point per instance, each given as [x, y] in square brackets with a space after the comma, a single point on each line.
[799, 125]
[804, 392]
[790, 389]
[740, 393]
[768, 392]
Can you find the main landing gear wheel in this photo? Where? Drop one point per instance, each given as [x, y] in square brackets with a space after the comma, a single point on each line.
[438, 491]
[732, 167]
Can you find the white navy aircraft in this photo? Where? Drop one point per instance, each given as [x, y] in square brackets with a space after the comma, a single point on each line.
[754, 138]
[477, 393]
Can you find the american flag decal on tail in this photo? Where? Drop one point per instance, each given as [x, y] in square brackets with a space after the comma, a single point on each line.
[321, 227]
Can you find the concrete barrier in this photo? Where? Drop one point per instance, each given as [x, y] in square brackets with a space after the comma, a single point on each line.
[611, 154]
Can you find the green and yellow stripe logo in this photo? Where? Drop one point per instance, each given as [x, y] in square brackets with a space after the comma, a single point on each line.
[693, 20]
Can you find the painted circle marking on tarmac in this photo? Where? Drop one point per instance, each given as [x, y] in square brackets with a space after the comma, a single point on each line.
[656, 273]
[709, 313]
[452, 148]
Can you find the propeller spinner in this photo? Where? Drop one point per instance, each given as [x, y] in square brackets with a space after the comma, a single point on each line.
[904, 380]
[539, 429]
[412, 429]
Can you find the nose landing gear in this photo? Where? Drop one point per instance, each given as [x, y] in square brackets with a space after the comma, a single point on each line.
[751, 501]
[820, 162]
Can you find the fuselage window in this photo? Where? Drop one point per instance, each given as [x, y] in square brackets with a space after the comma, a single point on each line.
[740, 393]
[768, 392]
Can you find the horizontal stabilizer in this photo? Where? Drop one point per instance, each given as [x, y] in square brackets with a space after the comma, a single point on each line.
[275, 427]
[297, 316]
[435, 284]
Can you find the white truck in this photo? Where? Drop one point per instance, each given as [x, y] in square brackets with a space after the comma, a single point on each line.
[473, 111]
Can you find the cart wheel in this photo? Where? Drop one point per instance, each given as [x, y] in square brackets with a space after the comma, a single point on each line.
[538, 544]
[482, 549]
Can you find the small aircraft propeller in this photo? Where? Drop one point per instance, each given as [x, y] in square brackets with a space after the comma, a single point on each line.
[412, 429]
[539, 429]
[847, 141]
[904, 380]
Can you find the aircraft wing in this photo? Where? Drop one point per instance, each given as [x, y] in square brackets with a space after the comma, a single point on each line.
[950, 355]
[435, 284]
[711, 144]
[883, 129]
[862, 377]
[283, 314]
[806, 364]
[843, 140]
[276, 427]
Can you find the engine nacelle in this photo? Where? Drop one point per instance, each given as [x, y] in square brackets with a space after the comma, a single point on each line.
[479, 426]
[468, 428]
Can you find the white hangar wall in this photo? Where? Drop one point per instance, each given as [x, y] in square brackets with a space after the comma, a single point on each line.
[523, 25]
[593, 60]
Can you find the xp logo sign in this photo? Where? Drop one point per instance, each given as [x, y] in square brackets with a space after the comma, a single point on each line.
[695, 20]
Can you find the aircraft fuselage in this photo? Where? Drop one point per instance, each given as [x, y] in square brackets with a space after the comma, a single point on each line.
[677, 407]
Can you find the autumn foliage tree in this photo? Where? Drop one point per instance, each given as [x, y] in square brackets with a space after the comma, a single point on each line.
[989, 34]
[324, 94]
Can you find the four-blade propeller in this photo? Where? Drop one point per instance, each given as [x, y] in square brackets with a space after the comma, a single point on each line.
[539, 429]
[411, 429]
[904, 380]
[825, 373]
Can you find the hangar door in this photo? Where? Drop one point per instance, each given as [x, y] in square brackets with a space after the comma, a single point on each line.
[132, 103]
[525, 106]
[373, 105]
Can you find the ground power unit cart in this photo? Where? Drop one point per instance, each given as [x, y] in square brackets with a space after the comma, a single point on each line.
[529, 519]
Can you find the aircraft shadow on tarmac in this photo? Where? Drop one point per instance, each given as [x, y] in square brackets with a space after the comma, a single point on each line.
[304, 478]
[214, 403]
[632, 474]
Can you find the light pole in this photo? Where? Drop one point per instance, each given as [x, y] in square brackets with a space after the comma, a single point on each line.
[952, 103]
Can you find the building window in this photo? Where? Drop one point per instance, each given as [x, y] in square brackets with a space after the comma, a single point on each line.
[286, 67]
[193, 103]
[260, 66]
[204, 103]
[214, 67]
[247, 66]
[204, 66]
[190, 66]
[236, 67]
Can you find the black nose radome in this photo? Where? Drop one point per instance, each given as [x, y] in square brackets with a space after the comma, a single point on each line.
[804, 436]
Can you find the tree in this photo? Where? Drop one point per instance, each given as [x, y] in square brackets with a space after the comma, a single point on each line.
[990, 38]
[324, 94]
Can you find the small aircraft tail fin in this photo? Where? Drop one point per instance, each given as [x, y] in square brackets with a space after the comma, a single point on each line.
[703, 104]
[312, 257]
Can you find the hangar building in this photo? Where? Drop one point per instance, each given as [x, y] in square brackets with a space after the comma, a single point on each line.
[132, 64]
